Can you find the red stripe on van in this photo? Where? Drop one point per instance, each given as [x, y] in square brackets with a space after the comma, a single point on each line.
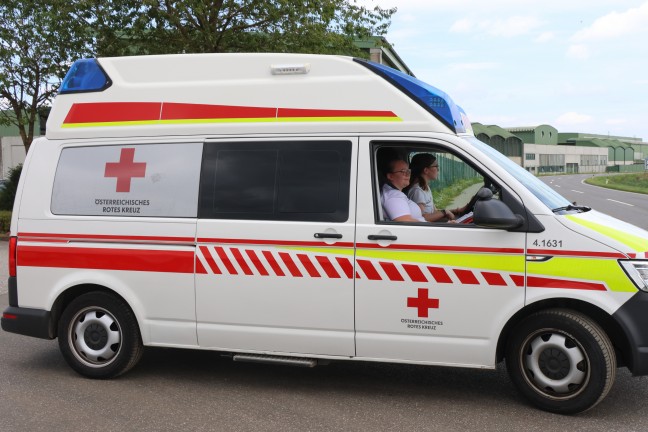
[305, 112]
[257, 263]
[200, 269]
[327, 266]
[439, 275]
[101, 112]
[466, 277]
[415, 273]
[106, 259]
[308, 265]
[392, 272]
[494, 279]
[29, 236]
[369, 270]
[226, 261]
[210, 260]
[544, 282]
[273, 263]
[292, 268]
[347, 267]
[185, 111]
[241, 262]
[518, 280]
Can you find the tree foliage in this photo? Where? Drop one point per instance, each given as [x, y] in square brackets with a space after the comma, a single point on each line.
[313, 26]
[8, 190]
[38, 40]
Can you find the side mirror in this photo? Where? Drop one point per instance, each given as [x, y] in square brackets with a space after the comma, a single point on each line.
[494, 213]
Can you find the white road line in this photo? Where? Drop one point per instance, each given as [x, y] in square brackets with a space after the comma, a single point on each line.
[574, 190]
[556, 186]
[620, 202]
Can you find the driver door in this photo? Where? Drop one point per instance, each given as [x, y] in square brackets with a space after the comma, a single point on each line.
[432, 292]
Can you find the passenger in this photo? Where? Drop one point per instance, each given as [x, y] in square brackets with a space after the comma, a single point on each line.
[396, 205]
[425, 169]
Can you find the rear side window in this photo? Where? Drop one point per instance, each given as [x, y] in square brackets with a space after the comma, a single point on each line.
[158, 180]
[292, 181]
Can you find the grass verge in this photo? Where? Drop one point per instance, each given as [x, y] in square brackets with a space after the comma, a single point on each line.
[626, 182]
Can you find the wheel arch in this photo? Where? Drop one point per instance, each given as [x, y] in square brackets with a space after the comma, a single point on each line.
[609, 325]
[67, 296]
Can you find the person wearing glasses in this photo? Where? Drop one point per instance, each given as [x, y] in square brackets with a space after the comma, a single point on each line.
[396, 206]
[425, 169]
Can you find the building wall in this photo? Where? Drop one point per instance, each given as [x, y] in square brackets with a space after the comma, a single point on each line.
[13, 153]
[544, 159]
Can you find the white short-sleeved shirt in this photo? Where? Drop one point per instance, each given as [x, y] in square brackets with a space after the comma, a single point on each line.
[420, 196]
[396, 204]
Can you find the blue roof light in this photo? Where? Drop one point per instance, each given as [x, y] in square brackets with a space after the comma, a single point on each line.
[85, 75]
[431, 98]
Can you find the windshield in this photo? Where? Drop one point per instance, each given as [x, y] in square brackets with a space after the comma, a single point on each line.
[548, 196]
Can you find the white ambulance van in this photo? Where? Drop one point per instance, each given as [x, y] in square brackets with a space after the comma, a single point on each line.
[232, 202]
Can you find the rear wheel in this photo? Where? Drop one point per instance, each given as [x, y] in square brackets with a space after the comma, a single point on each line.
[99, 336]
[561, 360]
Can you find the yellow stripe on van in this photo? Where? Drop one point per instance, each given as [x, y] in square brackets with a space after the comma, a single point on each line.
[638, 244]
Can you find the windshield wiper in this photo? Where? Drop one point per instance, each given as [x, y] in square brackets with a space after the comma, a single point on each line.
[572, 207]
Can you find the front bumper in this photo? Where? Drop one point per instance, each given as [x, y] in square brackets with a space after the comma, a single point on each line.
[633, 319]
[28, 322]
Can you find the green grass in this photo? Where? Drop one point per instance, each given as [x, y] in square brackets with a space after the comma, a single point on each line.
[444, 197]
[625, 182]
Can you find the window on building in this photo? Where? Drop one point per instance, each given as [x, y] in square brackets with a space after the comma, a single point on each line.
[529, 156]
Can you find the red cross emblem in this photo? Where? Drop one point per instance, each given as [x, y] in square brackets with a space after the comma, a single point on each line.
[125, 169]
[423, 303]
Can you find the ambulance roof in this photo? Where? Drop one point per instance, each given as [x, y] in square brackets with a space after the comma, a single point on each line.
[203, 94]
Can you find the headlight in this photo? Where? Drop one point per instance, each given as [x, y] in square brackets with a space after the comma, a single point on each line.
[638, 272]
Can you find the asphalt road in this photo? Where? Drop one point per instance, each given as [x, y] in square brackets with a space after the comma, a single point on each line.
[627, 206]
[174, 390]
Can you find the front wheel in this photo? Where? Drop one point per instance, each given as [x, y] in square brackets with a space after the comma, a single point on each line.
[99, 336]
[561, 360]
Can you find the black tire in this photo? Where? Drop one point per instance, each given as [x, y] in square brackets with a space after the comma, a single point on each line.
[99, 336]
[561, 361]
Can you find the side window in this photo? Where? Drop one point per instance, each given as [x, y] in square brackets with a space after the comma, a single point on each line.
[437, 179]
[159, 180]
[291, 181]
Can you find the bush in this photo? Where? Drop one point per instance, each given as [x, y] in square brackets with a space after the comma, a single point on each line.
[8, 192]
[5, 221]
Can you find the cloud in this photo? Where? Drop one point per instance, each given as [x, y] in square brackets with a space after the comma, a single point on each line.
[578, 52]
[615, 24]
[509, 27]
[545, 37]
[571, 118]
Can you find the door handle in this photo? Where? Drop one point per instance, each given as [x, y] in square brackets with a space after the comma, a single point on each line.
[327, 236]
[382, 237]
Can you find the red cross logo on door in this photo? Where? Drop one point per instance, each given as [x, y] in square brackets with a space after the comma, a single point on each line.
[423, 303]
[125, 169]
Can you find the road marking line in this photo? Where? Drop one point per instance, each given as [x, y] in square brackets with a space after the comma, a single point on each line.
[621, 202]
[574, 190]
[556, 186]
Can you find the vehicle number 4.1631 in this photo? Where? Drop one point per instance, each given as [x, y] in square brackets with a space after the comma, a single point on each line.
[548, 243]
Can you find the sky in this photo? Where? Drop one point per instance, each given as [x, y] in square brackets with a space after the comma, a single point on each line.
[578, 65]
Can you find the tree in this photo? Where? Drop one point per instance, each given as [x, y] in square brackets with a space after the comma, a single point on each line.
[313, 26]
[38, 41]
[8, 189]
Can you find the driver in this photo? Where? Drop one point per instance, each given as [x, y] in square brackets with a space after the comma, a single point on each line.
[396, 206]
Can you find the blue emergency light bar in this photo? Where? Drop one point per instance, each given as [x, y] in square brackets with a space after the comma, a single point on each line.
[85, 75]
[436, 102]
